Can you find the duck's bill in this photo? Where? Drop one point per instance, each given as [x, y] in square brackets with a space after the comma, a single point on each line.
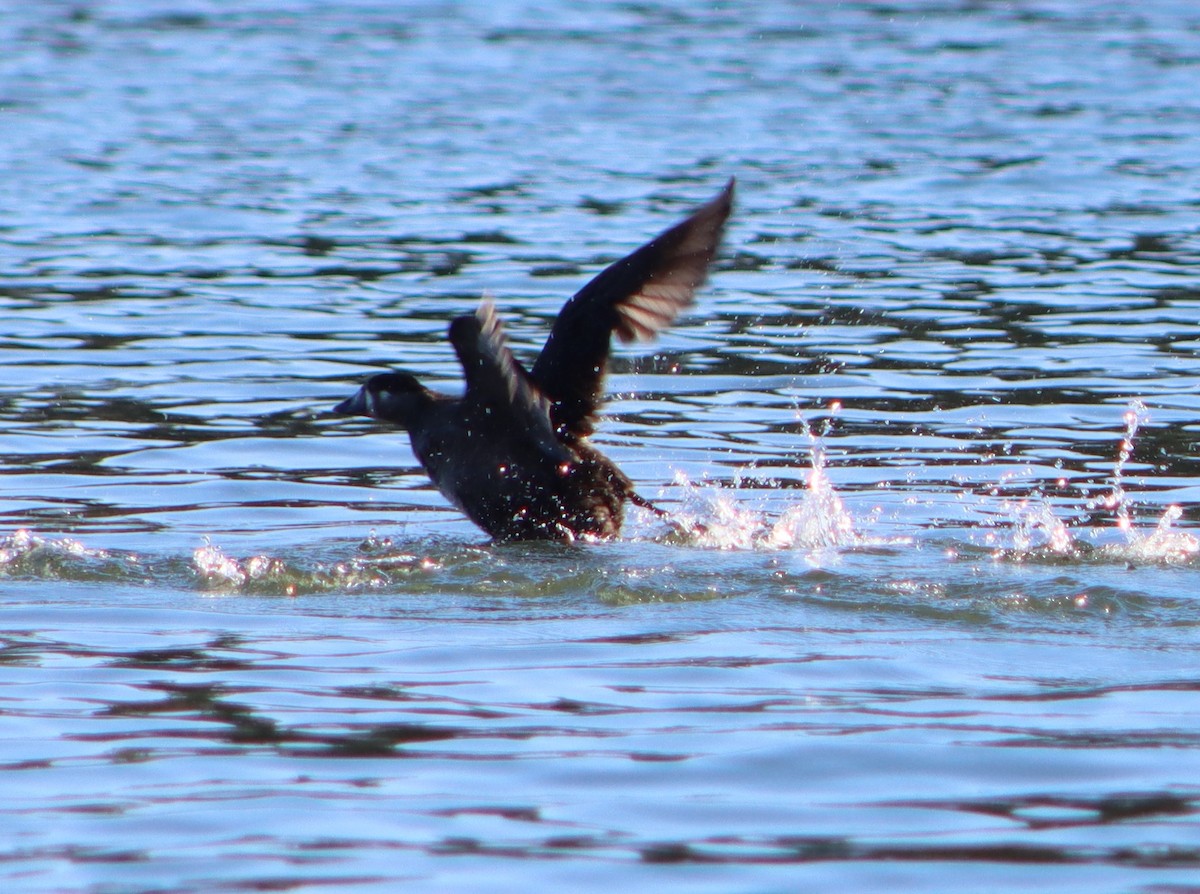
[356, 405]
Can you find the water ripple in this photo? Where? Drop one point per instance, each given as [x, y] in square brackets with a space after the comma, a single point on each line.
[928, 599]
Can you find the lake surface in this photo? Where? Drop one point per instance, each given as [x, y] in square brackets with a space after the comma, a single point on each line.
[936, 411]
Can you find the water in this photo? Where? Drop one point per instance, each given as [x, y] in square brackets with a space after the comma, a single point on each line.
[932, 424]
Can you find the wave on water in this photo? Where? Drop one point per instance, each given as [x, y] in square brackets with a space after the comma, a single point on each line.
[30, 556]
[710, 517]
[26, 554]
[376, 564]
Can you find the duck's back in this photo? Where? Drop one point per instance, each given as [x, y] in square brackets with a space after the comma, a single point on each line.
[503, 479]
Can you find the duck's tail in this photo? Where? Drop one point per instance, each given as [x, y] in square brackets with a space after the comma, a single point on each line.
[642, 503]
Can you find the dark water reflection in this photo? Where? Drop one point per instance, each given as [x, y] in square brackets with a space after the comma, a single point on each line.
[672, 736]
[947, 644]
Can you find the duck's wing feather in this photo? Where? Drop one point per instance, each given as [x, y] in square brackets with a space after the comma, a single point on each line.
[497, 382]
[634, 297]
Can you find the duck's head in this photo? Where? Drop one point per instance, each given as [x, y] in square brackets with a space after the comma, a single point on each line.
[390, 397]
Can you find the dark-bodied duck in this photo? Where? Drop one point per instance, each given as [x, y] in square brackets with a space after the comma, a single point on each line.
[512, 451]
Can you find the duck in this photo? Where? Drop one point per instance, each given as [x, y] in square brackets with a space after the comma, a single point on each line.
[512, 451]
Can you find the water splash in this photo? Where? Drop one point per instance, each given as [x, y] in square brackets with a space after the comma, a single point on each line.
[1117, 500]
[710, 517]
[1163, 544]
[1039, 531]
[25, 554]
[372, 567]
[820, 519]
[715, 518]
[22, 543]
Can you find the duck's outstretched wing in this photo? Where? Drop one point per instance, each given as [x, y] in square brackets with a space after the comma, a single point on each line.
[635, 298]
[497, 382]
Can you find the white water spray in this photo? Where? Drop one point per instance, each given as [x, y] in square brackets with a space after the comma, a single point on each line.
[1163, 543]
[716, 518]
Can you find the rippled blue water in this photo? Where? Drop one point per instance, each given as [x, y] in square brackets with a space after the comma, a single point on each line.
[935, 408]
